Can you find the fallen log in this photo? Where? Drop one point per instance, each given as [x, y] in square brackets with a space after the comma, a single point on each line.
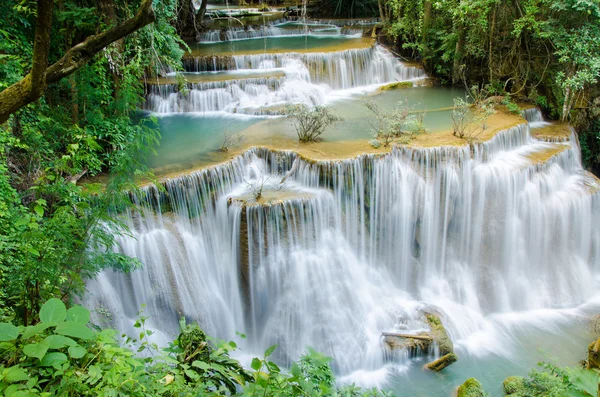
[420, 337]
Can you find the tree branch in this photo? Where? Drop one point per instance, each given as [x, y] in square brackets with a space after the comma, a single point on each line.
[32, 86]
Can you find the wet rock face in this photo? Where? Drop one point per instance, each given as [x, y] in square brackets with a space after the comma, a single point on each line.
[415, 346]
[439, 334]
[471, 388]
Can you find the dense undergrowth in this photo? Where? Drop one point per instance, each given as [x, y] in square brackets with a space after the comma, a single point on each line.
[65, 355]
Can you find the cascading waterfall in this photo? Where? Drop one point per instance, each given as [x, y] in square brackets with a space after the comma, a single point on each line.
[309, 78]
[343, 250]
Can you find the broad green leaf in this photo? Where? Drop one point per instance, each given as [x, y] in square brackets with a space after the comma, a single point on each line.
[77, 351]
[39, 210]
[37, 350]
[59, 341]
[201, 365]
[35, 329]
[76, 330]
[270, 350]
[273, 367]
[54, 359]
[191, 374]
[8, 332]
[53, 312]
[256, 364]
[15, 374]
[78, 314]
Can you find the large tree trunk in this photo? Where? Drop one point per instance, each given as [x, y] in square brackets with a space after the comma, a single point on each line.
[458, 56]
[32, 86]
[189, 22]
[426, 53]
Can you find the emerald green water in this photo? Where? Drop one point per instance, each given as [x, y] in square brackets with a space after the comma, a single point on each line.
[278, 44]
[191, 140]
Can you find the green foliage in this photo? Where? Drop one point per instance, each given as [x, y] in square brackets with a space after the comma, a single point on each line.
[468, 122]
[553, 381]
[310, 123]
[40, 360]
[55, 230]
[398, 125]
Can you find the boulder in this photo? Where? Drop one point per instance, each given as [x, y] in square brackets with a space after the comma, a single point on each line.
[471, 388]
[593, 360]
[439, 334]
[442, 362]
[417, 345]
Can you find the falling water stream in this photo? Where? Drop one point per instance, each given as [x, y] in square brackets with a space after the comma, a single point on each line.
[505, 248]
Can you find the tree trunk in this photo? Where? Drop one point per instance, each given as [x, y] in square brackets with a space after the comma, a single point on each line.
[425, 52]
[458, 56]
[32, 86]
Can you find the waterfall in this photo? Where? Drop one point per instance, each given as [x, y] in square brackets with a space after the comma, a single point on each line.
[309, 79]
[344, 250]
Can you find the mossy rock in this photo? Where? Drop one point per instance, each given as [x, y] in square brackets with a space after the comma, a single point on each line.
[594, 355]
[442, 362]
[471, 388]
[439, 334]
[397, 85]
[514, 385]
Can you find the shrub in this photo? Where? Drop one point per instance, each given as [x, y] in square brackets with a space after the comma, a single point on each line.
[310, 123]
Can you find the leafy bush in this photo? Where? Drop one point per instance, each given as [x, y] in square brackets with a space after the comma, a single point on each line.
[469, 123]
[401, 123]
[64, 355]
[310, 123]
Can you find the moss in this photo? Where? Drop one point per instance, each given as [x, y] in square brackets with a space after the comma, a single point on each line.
[397, 85]
[514, 384]
[442, 362]
[471, 388]
[439, 334]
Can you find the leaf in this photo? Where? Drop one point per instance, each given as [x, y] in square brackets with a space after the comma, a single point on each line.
[54, 359]
[270, 350]
[53, 312]
[35, 329]
[8, 332]
[77, 351]
[273, 367]
[201, 365]
[256, 364]
[15, 374]
[59, 341]
[78, 314]
[37, 350]
[39, 210]
[76, 330]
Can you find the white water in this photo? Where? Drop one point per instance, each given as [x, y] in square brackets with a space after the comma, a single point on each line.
[311, 79]
[485, 237]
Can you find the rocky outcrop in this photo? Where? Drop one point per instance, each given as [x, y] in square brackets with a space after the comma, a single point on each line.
[416, 345]
[442, 362]
[471, 388]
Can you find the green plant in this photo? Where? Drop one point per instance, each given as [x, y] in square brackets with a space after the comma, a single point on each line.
[400, 124]
[468, 123]
[310, 123]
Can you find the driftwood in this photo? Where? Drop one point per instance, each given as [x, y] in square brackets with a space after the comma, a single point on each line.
[420, 337]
